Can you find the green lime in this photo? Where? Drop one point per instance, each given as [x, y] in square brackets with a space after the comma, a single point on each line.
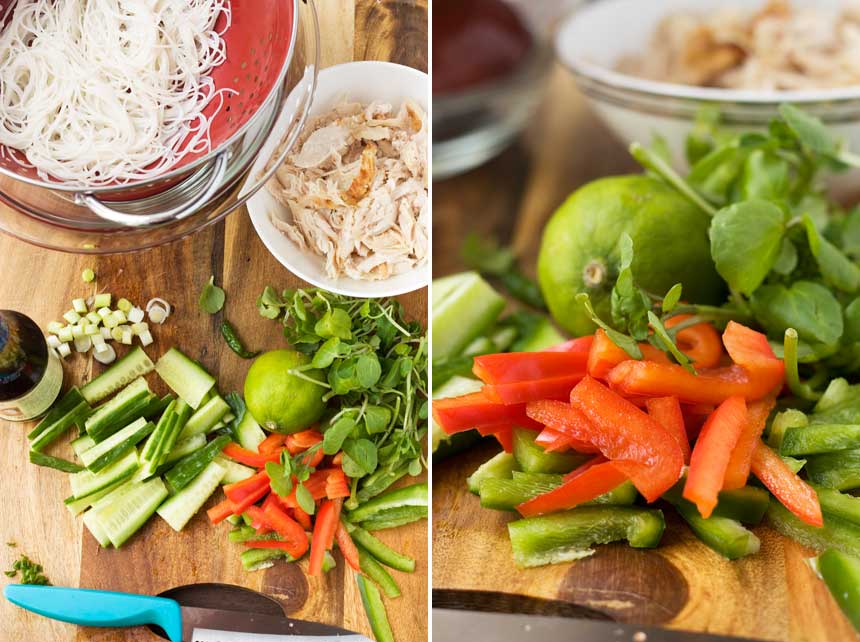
[279, 400]
[580, 250]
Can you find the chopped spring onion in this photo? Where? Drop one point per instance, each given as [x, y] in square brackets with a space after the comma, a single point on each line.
[105, 334]
[72, 317]
[65, 334]
[93, 317]
[124, 305]
[158, 310]
[53, 341]
[104, 353]
[126, 336]
[55, 327]
[116, 333]
[102, 300]
[111, 322]
[91, 329]
[77, 331]
[135, 315]
[139, 328]
[145, 338]
[104, 312]
[80, 306]
[97, 339]
[119, 315]
[83, 344]
[64, 350]
[88, 276]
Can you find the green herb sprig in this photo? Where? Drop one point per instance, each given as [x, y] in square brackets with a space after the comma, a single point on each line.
[30, 572]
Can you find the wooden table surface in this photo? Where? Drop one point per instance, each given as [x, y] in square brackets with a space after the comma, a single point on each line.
[41, 284]
[772, 595]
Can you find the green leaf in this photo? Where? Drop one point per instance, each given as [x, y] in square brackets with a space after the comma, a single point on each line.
[808, 307]
[415, 467]
[714, 175]
[212, 297]
[626, 343]
[786, 261]
[666, 342]
[765, 176]
[745, 242]
[335, 435]
[363, 453]
[329, 351]
[837, 269]
[850, 241]
[368, 370]
[809, 130]
[657, 166]
[280, 477]
[305, 499]
[852, 321]
[335, 323]
[671, 299]
[376, 419]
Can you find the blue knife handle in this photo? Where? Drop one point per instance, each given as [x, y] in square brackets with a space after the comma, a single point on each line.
[98, 608]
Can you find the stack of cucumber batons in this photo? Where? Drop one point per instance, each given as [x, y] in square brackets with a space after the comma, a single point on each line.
[140, 454]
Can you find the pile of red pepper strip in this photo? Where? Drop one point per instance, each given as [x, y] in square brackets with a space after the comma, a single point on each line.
[327, 485]
[639, 416]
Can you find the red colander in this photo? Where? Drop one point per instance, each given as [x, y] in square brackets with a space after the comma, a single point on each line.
[259, 45]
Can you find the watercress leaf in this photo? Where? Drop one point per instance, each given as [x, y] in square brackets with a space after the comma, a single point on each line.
[660, 168]
[299, 306]
[671, 299]
[327, 353]
[746, 238]
[270, 297]
[714, 175]
[363, 453]
[211, 297]
[626, 343]
[808, 307]
[424, 410]
[280, 479]
[625, 251]
[850, 237]
[765, 175]
[809, 130]
[305, 499]
[786, 260]
[666, 342]
[376, 419]
[335, 435]
[238, 408]
[368, 370]
[335, 323]
[852, 321]
[837, 269]
[351, 468]
[415, 467]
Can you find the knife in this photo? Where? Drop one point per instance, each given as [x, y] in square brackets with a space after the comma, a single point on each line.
[450, 625]
[180, 623]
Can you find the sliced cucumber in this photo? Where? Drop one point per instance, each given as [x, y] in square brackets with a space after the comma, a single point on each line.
[118, 411]
[65, 413]
[464, 307]
[83, 443]
[185, 377]
[78, 505]
[113, 448]
[207, 416]
[133, 365]
[94, 526]
[180, 508]
[187, 468]
[186, 447]
[157, 406]
[66, 466]
[248, 432]
[120, 514]
[86, 483]
[234, 471]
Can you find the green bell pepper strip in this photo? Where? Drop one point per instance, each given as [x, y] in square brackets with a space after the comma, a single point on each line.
[820, 438]
[507, 494]
[376, 572]
[500, 466]
[839, 470]
[377, 483]
[836, 533]
[781, 423]
[380, 550]
[840, 505]
[532, 457]
[375, 609]
[246, 533]
[255, 559]
[726, 536]
[414, 495]
[841, 573]
[569, 535]
[394, 517]
[746, 505]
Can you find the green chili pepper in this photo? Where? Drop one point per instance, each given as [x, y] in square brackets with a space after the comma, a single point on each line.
[375, 609]
[841, 573]
[380, 550]
[376, 572]
[233, 341]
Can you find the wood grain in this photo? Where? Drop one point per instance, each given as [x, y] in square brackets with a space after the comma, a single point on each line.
[684, 585]
[40, 283]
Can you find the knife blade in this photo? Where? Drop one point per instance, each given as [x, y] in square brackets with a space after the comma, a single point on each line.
[450, 625]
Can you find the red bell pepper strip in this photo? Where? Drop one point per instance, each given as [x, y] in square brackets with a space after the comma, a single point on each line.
[325, 527]
[220, 511]
[666, 411]
[515, 367]
[312, 459]
[347, 547]
[700, 342]
[605, 355]
[288, 528]
[579, 344]
[711, 454]
[336, 485]
[458, 414]
[792, 492]
[300, 441]
[749, 348]
[289, 547]
[557, 440]
[594, 461]
[738, 469]
[258, 519]
[302, 518]
[524, 391]
[271, 443]
[584, 487]
[505, 437]
[239, 491]
[248, 457]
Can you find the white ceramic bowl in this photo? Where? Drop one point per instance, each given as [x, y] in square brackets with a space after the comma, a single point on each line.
[364, 82]
[591, 41]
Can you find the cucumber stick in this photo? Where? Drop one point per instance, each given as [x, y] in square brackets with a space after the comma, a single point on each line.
[65, 413]
[117, 445]
[81, 444]
[180, 508]
[464, 307]
[86, 483]
[248, 432]
[185, 447]
[187, 468]
[207, 416]
[133, 365]
[120, 514]
[234, 471]
[78, 505]
[186, 377]
[119, 411]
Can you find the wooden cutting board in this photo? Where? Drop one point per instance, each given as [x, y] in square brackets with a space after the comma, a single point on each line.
[42, 283]
[772, 595]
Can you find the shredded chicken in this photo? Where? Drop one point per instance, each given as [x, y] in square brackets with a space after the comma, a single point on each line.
[355, 190]
[775, 48]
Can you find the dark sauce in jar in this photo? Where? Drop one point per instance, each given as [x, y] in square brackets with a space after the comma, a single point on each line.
[475, 42]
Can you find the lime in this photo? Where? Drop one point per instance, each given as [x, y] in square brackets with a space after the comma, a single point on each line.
[580, 249]
[279, 400]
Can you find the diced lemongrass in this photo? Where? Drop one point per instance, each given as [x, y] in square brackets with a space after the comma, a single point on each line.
[97, 339]
[116, 333]
[83, 344]
[139, 328]
[53, 341]
[72, 317]
[88, 275]
[111, 322]
[55, 327]
[104, 312]
[64, 350]
[159, 302]
[157, 314]
[91, 329]
[102, 300]
[105, 333]
[135, 315]
[93, 317]
[124, 305]
[145, 338]
[105, 354]
[119, 315]
[79, 305]
[127, 336]
[77, 331]
[65, 334]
